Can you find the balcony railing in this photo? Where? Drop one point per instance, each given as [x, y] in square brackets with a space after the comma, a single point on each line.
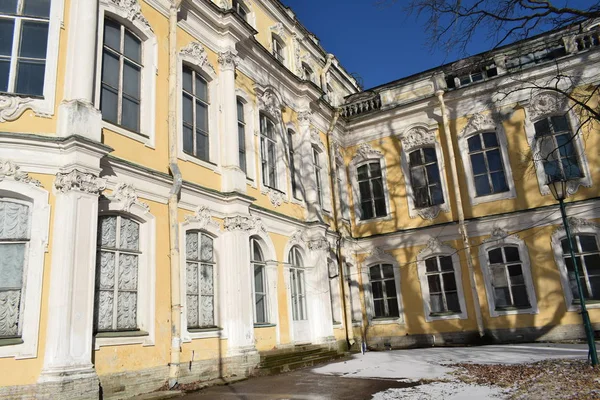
[364, 103]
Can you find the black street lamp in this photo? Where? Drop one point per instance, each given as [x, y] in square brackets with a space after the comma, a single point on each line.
[558, 187]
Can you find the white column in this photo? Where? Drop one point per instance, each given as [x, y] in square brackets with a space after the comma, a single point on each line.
[233, 178]
[237, 285]
[77, 114]
[273, 295]
[305, 166]
[318, 296]
[68, 367]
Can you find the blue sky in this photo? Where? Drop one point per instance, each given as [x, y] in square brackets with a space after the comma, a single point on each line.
[379, 43]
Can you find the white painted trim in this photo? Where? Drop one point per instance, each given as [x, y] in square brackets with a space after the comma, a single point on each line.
[501, 239]
[578, 226]
[436, 248]
[108, 9]
[42, 107]
[488, 125]
[39, 215]
[379, 256]
[250, 134]
[146, 300]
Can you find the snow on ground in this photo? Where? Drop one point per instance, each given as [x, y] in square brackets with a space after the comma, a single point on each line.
[430, 364]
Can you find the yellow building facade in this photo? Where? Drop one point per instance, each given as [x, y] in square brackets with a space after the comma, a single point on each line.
[186, 186]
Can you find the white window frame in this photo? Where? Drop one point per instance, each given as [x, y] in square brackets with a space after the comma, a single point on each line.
[251, 136]
[545, 105]
[502, 239]
[378, 256]
[435, 248]
[42, 106]
[263, 265]
[414, 138]
[194, 56]
[578, 226]
[291, 146]
[39, 219]
[141, 28]
[278, 48]
[146, 298]
[250, 14]
[317, 145]
[480, 124]
[342, 186]
[367, 154]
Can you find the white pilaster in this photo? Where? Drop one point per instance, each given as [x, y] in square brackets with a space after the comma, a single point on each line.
[77, 114]
[273, 294]
[306, 167]
[233, 178]
[69, 334]
[319, 300]
[237, 284]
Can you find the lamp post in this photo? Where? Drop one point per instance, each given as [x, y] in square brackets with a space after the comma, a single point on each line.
[558, 187]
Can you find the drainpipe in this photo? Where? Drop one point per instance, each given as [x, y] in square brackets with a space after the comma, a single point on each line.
[324, 72]
[461, 215]
[174, 194]
[336, 223]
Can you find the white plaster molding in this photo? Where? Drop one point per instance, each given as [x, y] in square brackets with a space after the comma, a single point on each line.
[542, 104]
[501, 238]
[276, 197]
[228, 60]
[365, 152]
[436, 248]
[279, 30]
[125, 197]
[194, 53]
[416, 137]
[8, 169]
[479, 122]
[270, 102]
[76, 180]
[251, 224]
[203, 218]
[131, 9]
[11, 106]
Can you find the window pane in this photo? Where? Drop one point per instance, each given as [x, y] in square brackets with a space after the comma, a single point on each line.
[429, 153]
[490, 140]
[132, 47]
[375, 170]
[104, 317]
[588, 243]
[191, 246]
[482, 185]
[495, 256]
[107, 231]
[130, 116]
[186, 80]
[259, 285]
[257, 254]
[4, 72]
[565, 246]
[542, 127]
[431, 264]
[571, 167]
[417, 176]
[516, 274]
[380, 209]
[512, 254]
[7, 28]
[362, 172]
[188, 139]
[434, 283]
[377, 289]
[499, 277]
[34, 38]
[131, 80]
[206, 248]
[112, 35]
[388, 271]
[474, 143]
[494, 161]
[201, 88]
[261, 315]
[37, 8]
[187, 110]
[365, 190]
[415, 158]
[592, 264]
[390, 289]
[379, 308]
[499, 182]
[12, 259]
[433, 173]
[110, 69]
[8, 6]
[437, 196]
[375, 272]
[367, 210]
[478, 163]
[452, 301]
[446, 263]
[437, 304]
[560, 123]
[126, 310]
[128, 272]
[520, 296]
[129, 234]
[595, 284]
[377, 188]
[109, 104]
[502, 297]
[201, 117]
[393, 308]
[449, 281]
[564, 145]
[202, 146]
[30, 78]
[240, 112]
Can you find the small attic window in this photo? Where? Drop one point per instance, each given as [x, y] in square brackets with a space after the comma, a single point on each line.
[241, 9]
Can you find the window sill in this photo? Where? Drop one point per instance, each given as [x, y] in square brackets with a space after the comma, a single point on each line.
[589, 304]
[120, 338]
[258, 326]
[11, 341]
[193, 159]
[488, 198]
[499, 312]
[445, 315]
[203, 333]
[386, 320]
[378, 219]
[23, 96]
[127, 133]
[121, 334]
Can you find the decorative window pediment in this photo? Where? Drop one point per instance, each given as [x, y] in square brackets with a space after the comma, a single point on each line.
[195, 54]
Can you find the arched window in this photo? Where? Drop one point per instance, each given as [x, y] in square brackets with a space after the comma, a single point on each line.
[298, 285]
[200, 293]
[371, 190]
[117, 274]
[260, 283]
[195, 106]
[486, 163]
[268, 152]
[14, 243]
[507, 278]
[383, 289]
[587, 253]
[120, 96]
[556, 148]
[425, 178]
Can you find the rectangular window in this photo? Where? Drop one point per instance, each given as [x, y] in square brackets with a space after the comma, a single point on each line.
[240, 9]
[120, 96]
[278, 50]
[241, 135]
[200, 295]
[383, 286]
[195, 114]
[14, 240]
[557, 148]
[510, 290]
[117, 274]
[372, 195]
[425, 178]
[486, 164]
[443, 293]
[318, 183]
[587, 253]
[292, 163]
[261, 315]
[268, 154]
[23, 46]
